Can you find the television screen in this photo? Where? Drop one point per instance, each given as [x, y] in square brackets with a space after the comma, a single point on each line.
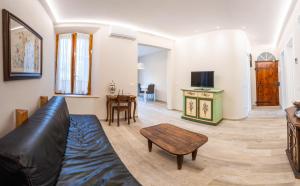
[202, 79]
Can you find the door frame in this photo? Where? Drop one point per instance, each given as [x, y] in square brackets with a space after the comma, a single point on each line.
[169, 70]
[278, 80]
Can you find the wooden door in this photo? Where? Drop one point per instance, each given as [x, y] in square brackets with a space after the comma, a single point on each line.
[267, 85]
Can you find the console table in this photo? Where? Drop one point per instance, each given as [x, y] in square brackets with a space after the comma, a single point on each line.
[293, 140]
[203, 106]
[110, 99]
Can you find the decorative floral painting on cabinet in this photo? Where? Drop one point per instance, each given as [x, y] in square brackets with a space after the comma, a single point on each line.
[191, 107]
[205, 109]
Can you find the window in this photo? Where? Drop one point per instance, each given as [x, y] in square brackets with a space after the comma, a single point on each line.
[73, 63]
[266, 56]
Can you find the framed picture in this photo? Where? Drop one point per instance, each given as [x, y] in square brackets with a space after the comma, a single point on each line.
[22, 49]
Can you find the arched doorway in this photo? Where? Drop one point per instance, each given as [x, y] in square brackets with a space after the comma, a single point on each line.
[267, 84]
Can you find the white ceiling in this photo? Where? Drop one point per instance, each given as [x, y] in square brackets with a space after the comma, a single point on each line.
[144, 50]
[261, 19]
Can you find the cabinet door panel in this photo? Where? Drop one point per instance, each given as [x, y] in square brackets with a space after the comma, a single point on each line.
[205, 109]
[191, 106]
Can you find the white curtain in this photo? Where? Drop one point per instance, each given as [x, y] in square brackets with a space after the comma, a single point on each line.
[82, 64]
[64, 60]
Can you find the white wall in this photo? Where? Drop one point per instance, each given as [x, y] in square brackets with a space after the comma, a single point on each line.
[290, 74]
[225, 52]
[155, 68]
[114, 59]
[25, 94]
[289, 45]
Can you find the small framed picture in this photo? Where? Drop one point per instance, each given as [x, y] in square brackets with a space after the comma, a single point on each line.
[22, 47]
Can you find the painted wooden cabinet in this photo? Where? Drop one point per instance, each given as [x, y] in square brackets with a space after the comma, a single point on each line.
[293, 140]
[203, 106]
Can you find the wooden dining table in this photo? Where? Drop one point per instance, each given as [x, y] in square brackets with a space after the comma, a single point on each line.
[111, 99]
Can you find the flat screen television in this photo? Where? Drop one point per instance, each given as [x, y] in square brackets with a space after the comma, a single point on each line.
[203, 79]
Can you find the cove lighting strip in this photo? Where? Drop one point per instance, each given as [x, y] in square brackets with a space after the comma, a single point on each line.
[279, 30]
[284, 15]
[57, 20]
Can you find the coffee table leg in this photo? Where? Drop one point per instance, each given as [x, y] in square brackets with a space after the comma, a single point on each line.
[150, 145]
[179, 161]
[194, 154]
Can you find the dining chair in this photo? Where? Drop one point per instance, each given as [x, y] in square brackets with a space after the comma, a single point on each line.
[140, 91]
[123, 105]
[151, 91]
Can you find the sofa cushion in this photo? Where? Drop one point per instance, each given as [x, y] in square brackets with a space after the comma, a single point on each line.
[90, 158]
[32, 154]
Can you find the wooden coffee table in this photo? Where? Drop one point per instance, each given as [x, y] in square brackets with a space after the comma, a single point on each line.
[174, 140]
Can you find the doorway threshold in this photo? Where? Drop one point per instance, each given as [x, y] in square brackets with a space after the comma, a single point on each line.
[267, 107]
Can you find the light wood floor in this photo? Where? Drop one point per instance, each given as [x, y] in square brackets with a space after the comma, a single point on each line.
[248, 152]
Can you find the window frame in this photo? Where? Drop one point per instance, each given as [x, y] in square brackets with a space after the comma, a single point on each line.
[73, 63]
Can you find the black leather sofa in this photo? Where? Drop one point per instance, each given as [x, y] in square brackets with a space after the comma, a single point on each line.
[55, 148]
